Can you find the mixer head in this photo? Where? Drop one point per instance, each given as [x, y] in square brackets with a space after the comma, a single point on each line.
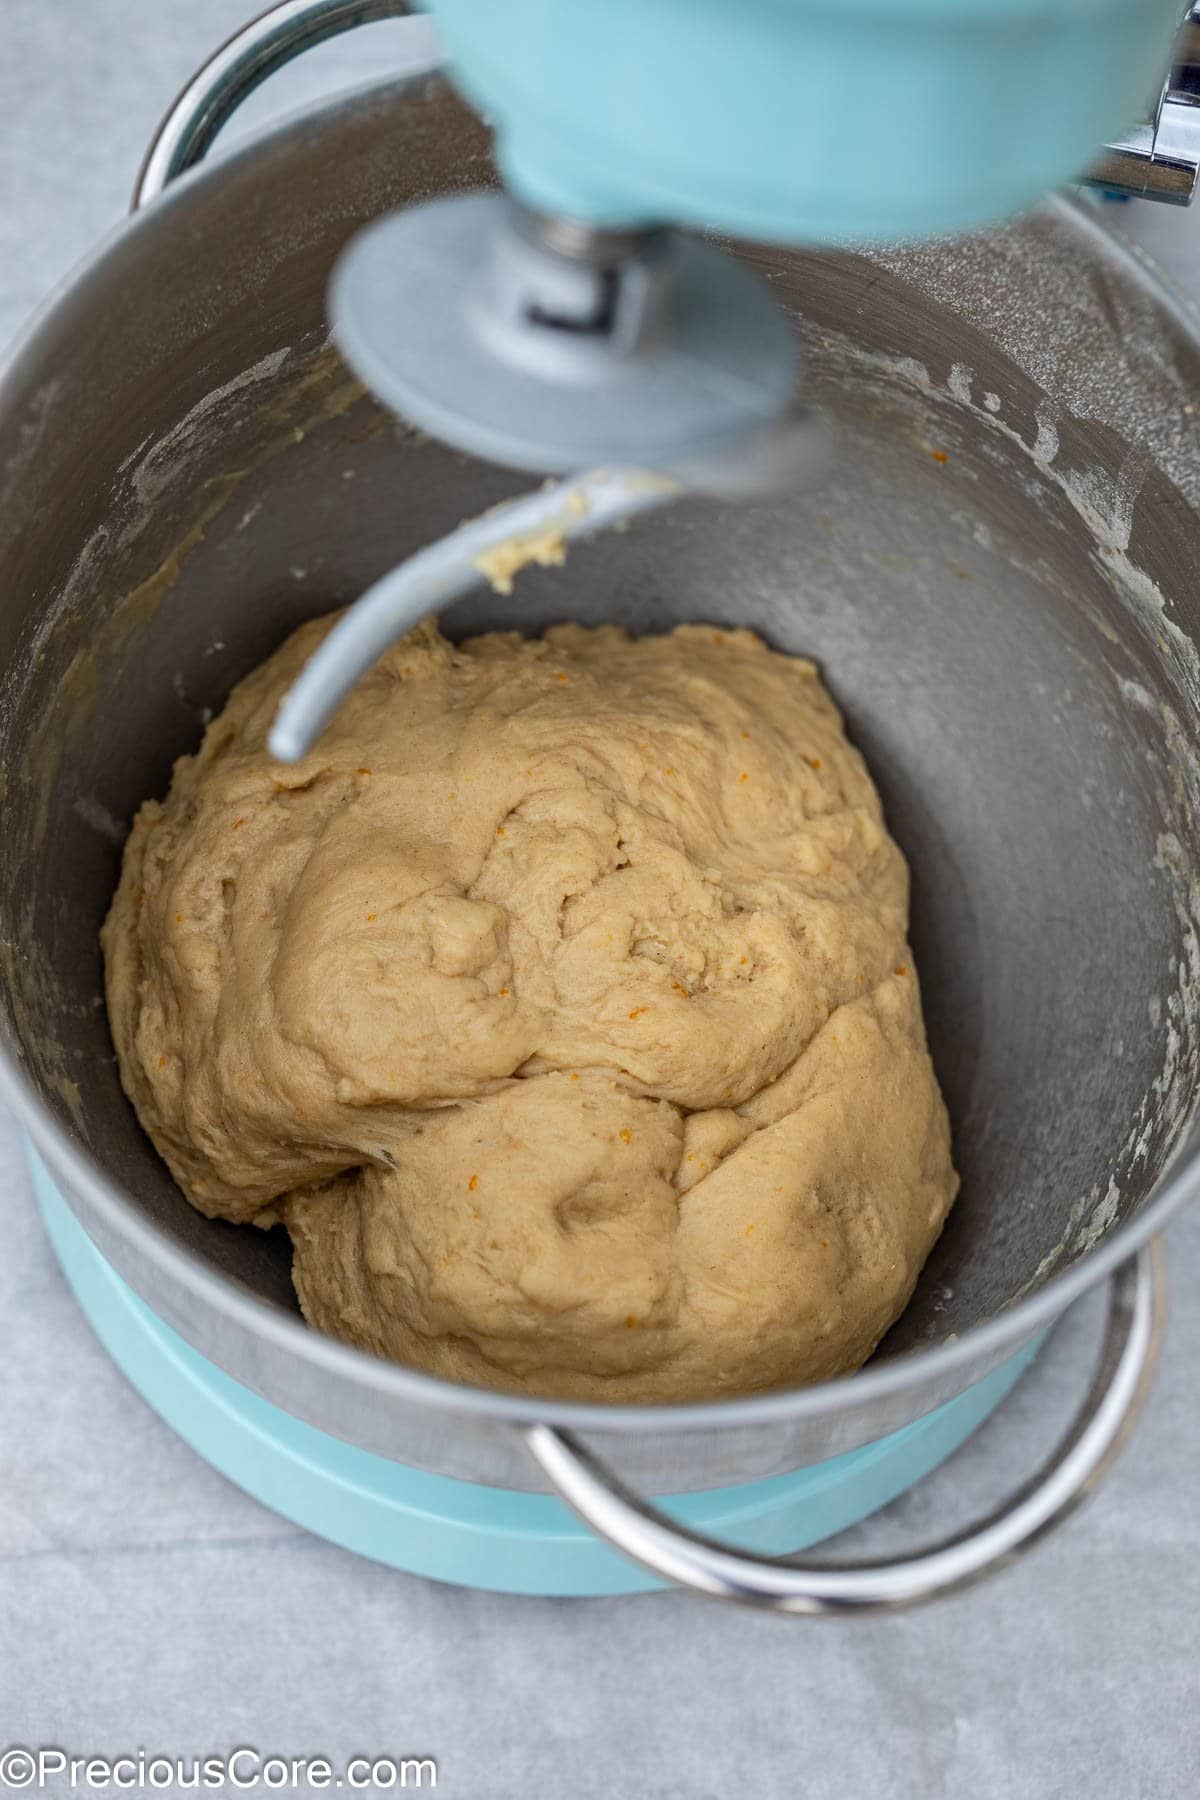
[549, 344]
[570, 332]
[570, 337]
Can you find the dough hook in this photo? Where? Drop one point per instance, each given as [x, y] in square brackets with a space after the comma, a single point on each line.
[532, 528]
[654, 362]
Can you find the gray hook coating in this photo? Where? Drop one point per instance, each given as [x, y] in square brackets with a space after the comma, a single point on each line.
[442, 572]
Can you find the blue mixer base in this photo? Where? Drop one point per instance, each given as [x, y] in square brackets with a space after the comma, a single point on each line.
[458, 1531]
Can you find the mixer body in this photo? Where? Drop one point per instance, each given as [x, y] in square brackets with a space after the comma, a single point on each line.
[577, 327]
[805, 120]
[998, 583]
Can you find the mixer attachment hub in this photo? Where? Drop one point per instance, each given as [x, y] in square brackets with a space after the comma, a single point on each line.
[548, 344]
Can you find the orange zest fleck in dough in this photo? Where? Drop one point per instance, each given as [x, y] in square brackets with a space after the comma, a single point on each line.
[939, 456]
[363, 771]
[625, 1135]
[238, 823]
[638, 1011]
[901, 969]
[472, 1184]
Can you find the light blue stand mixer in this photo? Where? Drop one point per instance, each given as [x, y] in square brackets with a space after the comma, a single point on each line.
[570, 328]
[573, 328]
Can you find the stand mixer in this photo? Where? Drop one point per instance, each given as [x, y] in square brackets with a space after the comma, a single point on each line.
[571, 327]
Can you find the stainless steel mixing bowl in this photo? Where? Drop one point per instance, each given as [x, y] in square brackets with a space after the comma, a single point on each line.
[999, 583]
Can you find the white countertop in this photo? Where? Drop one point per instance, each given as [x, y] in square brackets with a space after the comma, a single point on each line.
[147, 1603]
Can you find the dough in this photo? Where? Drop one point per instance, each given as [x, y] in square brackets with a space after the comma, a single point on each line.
[559, 1003]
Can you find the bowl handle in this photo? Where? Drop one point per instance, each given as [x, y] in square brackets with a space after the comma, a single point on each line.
[1136, 1312]
[233, 72]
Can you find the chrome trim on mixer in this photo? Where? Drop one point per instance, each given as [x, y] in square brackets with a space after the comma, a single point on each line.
[1133, 1337]
[1159, 157]
[232, 73]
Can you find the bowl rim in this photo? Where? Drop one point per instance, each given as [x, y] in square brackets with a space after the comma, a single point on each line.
[85, 1176]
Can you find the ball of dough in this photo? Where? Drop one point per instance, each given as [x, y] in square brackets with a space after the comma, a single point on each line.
[559, 1003]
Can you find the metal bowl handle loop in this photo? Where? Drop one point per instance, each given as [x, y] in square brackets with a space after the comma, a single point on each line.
[1133, 1335]
[233, 72]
